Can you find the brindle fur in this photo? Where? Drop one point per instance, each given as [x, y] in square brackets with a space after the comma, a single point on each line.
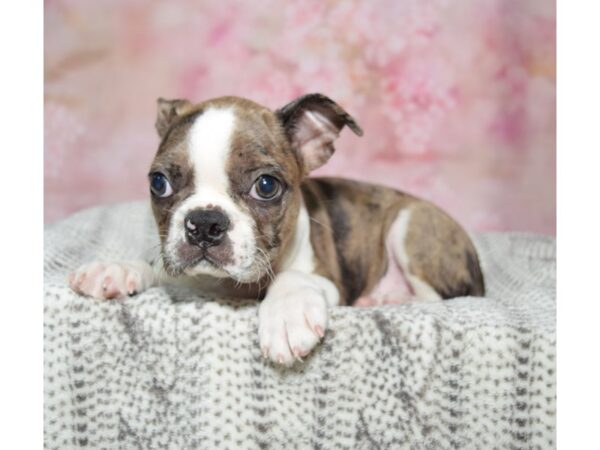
[349, 226]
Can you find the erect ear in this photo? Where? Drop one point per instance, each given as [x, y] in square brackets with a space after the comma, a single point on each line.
[312, 122]
[168, 111]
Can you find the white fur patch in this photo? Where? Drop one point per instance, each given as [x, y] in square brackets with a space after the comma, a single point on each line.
[397, 239]
[300, 254]
[394, 284]
[300, 257]
[209, 144]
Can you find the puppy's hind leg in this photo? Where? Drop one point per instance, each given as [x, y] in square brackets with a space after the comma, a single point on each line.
[435, 254]
[419, 288]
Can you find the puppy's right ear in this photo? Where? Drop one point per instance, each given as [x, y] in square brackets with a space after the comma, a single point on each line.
[169, 111]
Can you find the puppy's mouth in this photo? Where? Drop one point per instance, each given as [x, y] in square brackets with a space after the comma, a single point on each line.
[192, 255]
[203, 256]
[198, 259]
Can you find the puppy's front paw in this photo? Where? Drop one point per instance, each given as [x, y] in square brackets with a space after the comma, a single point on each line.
[290, 326]
[111, 280]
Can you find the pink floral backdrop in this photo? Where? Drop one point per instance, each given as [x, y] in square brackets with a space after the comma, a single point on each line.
[457, 99]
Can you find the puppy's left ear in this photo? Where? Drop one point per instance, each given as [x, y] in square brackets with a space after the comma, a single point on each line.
[312, 122]
[168, 111]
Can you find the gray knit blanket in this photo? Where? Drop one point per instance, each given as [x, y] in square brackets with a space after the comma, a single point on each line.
[170, 369]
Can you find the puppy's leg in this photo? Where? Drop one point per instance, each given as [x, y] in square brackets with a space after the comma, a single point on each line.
[112, 280]
[400, 284]
[293, 316]
[434, 254]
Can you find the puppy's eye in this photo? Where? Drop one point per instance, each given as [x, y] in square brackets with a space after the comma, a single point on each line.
[159, 185]
[266, 187]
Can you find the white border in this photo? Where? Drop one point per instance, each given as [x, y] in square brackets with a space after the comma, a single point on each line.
[21, 320]
[578, 224]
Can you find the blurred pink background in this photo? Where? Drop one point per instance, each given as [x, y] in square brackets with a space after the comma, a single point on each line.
[457, 99]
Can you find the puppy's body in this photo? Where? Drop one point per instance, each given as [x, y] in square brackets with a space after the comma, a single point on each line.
[237, 216]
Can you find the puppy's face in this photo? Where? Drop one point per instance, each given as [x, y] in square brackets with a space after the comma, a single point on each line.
[225, 182]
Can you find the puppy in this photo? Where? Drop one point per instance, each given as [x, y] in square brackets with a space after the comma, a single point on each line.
[237, 215]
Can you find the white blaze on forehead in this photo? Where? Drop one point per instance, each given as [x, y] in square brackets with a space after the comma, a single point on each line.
[209, 144]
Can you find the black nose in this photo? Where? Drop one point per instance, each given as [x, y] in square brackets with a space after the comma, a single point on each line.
[206, 226]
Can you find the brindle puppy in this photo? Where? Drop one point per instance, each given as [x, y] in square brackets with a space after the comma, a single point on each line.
[237, 214]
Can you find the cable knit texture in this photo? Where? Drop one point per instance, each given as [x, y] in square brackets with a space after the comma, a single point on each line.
[172, 369]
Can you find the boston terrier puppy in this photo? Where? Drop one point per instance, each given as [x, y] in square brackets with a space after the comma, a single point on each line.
[237, 216]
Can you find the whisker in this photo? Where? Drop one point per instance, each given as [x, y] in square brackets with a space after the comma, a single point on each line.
[267, 264]
[322, 224]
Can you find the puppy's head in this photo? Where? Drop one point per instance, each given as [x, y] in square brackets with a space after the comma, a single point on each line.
[225, 182]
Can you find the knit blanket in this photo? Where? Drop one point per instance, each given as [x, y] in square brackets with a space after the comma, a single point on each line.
[171, 369]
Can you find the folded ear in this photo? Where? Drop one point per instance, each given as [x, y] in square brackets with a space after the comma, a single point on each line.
[312, 122]
[168, 111]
